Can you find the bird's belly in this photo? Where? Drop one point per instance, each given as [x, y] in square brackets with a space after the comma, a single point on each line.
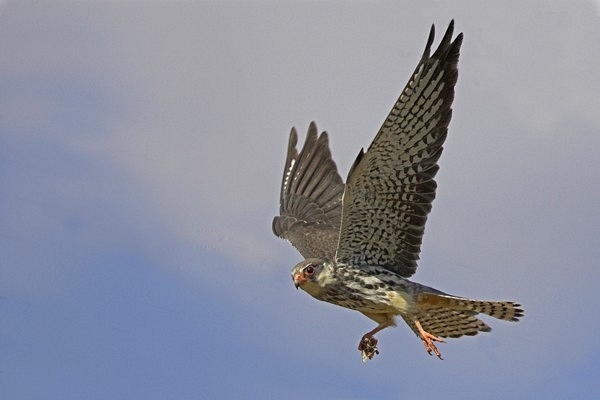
[379, 302]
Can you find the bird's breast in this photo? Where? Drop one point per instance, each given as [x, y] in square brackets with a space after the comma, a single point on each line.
[367, 291]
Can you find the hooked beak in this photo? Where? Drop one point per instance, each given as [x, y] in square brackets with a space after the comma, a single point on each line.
[298, 280]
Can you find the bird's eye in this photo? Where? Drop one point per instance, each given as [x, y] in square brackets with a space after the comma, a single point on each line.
[309, 270]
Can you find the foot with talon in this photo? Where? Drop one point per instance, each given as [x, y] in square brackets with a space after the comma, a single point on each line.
[368, 348]
[428, 340]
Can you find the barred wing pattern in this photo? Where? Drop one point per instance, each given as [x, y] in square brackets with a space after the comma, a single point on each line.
[391, 187]
[311, 197]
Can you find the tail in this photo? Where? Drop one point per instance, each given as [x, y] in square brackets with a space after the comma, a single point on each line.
[449, 316]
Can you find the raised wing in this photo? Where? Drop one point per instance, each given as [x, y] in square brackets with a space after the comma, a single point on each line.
[390, 188]
[311, 197]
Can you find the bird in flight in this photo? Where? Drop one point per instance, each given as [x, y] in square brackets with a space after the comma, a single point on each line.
[361, 240]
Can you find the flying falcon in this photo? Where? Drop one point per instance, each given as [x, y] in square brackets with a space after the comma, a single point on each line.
[362, 240]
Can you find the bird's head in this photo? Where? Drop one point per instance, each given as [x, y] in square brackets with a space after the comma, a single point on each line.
[311, 275]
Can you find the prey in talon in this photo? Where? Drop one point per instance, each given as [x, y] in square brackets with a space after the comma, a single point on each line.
[368, 348]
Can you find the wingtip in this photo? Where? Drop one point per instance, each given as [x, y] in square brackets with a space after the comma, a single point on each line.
[293, 139]
[292, 151]
[427, 51]
[448, 35]
[446, 44]
[445, 40]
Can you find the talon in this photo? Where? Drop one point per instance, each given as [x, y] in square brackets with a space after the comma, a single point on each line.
[428, 340]
[367, 341]
[368, 348]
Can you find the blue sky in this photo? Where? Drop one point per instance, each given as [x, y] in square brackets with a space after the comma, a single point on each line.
[141, 150]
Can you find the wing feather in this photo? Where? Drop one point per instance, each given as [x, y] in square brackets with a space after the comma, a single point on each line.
[311, 197]
[391, 187]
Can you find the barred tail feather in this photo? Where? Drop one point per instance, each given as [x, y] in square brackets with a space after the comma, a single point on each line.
[505, 310]
[450, 316]
[448, 323]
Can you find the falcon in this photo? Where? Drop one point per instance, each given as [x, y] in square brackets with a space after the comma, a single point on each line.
[361, 240]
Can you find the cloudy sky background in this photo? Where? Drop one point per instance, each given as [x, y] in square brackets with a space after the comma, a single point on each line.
[141, 149]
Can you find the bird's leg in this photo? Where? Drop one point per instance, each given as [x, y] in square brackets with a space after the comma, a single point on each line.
[428, 340]
[368, 344]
